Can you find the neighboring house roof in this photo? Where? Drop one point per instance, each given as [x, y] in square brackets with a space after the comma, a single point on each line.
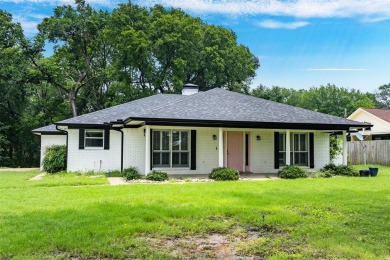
[215, 107]
[49, 129]
[383, 114]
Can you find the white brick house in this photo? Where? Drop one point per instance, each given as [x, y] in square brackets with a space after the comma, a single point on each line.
[196, 132]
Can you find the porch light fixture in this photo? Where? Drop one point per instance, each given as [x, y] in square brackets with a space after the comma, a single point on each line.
[258, 137]
[214, 137]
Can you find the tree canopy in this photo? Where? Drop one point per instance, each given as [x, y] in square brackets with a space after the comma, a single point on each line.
[101, 58]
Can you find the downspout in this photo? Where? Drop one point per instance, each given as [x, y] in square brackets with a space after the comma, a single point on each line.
[122, 139]
[67, 147]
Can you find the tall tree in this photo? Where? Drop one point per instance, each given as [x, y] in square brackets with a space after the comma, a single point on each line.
[383, 96]
[161, 49]
[80, 51]
[334, 100]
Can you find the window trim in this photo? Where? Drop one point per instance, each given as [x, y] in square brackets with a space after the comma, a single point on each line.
[93, 147]
[170, 150]
[292, 150]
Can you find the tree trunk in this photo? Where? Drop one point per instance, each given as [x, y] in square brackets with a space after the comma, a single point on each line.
[72, 100]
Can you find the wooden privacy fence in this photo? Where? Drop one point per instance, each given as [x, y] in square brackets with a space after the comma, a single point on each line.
[377, 152]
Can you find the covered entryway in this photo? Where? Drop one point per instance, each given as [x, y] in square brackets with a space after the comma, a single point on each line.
[235, 150]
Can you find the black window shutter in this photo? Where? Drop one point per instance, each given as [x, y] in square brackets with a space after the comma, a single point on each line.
[311, 149]
[193, 149]
[151, 149]
[106, 139]
[81, 138]
[276, 150]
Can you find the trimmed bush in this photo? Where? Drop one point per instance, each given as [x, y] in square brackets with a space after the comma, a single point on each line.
[340, 170]
[131, 173]
[224, 174]
[157, 176]
[55, 159]
[292, 172]
[115, 173]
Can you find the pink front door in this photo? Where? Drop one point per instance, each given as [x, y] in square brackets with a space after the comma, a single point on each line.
[235, 150]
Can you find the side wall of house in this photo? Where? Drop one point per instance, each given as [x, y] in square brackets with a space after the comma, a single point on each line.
[93, 159]
[48, 140]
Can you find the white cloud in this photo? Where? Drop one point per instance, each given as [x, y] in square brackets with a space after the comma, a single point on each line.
[29, 24]
[335, 69]
[363, 9]
[272, 24]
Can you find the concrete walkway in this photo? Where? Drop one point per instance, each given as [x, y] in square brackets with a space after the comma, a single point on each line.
[116, 181]
[38, 177]
[18, 169]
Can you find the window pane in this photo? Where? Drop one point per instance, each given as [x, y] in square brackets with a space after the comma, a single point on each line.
[303, 159]
[91, 142]
[165, 140]
[303, 142]
[175, 140]
[282, 142]
[175, 159]
[165, 158]
[296, 142]
[184, 160]
[98, 134]
[184, 141]
[180, 159]
[156, 159]
[156, 140]
[282, 158]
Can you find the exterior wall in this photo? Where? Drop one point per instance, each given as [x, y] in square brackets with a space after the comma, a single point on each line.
[48, 140]
[261, 152]
[93, 159]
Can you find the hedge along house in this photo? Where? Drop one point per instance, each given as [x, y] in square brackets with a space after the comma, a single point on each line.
[195, 132]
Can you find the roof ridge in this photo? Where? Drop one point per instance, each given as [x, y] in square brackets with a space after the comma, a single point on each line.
[177, 101]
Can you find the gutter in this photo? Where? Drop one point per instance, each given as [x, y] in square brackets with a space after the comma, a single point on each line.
[122, 144]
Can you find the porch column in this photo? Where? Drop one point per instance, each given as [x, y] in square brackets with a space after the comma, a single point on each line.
[345, 148]
[288, 148]
[220, 148]
[147, 149]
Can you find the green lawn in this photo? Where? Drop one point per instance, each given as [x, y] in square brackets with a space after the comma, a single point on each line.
[67, 216]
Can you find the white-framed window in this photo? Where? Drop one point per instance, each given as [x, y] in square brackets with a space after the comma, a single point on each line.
[170, 149]
[94, 138]
[299, 149]
[282, 149]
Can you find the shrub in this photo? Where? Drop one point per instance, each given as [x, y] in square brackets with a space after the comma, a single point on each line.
[292, 172]
[224, 174]
[55, 159]
[341, 170]
[324, 174]
[131, 173]
[115, 173]
[157, 176]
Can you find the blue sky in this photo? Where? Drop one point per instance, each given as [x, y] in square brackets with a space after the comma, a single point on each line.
[300, 43]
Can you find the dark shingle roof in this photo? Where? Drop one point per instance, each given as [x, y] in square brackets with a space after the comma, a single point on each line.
[219, 104]
[215, 105]
[49, 129]
[124, 111]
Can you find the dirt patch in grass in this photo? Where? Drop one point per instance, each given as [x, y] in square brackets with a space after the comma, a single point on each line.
[240, 243]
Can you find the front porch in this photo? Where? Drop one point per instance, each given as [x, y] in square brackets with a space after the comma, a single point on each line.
[251, 151]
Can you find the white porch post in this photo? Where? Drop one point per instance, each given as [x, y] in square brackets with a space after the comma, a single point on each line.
[147, 149]
[220, 148]
[345, 148]
[288, 148]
